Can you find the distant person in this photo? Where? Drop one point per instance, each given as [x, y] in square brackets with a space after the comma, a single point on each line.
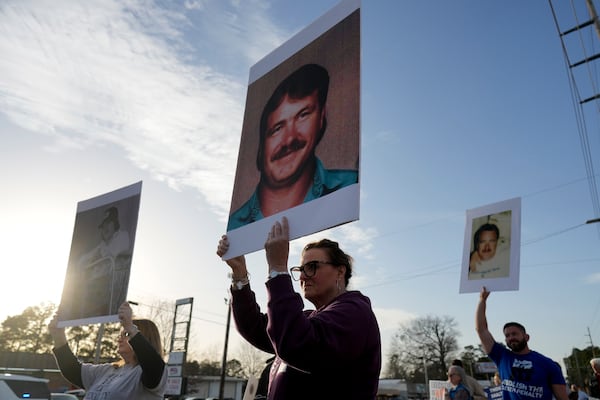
[484, 261]
[581, 395]
[477, 391]
[292, 124]
[526, 374]
[331, 352]
[496, 379]
[114, 241]
[595, 380]
[139, 375]
[459, 390]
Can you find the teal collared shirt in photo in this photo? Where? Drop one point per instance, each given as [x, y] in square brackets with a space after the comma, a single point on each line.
[325, 181]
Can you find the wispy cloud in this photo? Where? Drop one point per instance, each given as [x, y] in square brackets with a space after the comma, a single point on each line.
[154, 82]
[109, 72]
[593, 278]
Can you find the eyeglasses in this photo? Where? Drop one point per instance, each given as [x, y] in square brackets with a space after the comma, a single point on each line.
[308, 269]
[452, 374]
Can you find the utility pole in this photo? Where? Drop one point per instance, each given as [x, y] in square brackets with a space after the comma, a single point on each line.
[591, 343]
[224, 362]
[593, 15]
[99, 344]
[425, 372]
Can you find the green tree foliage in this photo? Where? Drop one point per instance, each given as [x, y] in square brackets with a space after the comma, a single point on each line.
[578, 367]
[110, 345]
[394, 368]
[209, 368]
[430, 341]
[234, 369]
[27, 332]
[191, 368]
[81, 341]
[84, 341]
[471, 355]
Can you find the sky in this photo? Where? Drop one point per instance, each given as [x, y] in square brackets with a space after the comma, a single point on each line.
[463, 104]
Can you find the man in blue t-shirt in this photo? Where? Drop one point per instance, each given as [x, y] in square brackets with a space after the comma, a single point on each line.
[525, 374]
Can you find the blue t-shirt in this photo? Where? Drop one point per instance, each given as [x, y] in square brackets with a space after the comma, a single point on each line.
[526, 376]
[325, 181]
[460, 392]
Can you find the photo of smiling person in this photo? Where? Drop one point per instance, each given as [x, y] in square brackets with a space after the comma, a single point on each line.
[490, 257]
[292, 124]
[299, 149]
[491, 247]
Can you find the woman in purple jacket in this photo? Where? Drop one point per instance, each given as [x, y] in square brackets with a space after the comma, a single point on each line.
[332, 352]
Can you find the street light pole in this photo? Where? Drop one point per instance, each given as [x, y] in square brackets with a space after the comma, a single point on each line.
[425, 373]
[224, 362]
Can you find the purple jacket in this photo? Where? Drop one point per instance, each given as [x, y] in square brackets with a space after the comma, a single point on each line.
[333, 352]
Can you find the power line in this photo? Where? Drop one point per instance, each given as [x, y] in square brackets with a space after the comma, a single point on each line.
[161, 309]
[578, 102]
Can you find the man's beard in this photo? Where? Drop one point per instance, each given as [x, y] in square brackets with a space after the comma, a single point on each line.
[517, 346]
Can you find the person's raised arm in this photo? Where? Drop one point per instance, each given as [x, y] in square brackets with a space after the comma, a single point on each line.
[68, 364]
[481, 325]
[277, 246]
[150, 361]
[239, 272]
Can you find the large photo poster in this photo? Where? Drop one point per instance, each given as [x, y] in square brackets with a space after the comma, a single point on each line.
[300, 143]
[99, 266]
[491, 250]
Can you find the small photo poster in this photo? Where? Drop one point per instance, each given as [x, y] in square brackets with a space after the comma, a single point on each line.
[438, 389]
[99, 266]
[491, 252]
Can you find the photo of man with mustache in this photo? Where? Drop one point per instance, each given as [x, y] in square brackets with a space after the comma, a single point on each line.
[292, 124]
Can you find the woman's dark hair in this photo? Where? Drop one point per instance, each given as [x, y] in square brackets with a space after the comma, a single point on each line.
[337, 255]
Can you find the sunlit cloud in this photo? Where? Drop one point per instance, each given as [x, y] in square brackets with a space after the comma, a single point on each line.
[194, 4]
[389, 320]
[144, 79]
[593, 278]
[392, 318]
[105, 73]
[353, 239]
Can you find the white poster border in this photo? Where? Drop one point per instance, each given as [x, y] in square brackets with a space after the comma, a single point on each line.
[511, 282]
[90, 204]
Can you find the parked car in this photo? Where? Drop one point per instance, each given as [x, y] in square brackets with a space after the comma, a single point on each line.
[63, 396]
[15, 387]
[80, 393]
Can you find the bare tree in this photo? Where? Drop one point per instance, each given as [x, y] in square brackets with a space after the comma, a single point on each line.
[430, 341]
[252, 359]
[161, 312]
